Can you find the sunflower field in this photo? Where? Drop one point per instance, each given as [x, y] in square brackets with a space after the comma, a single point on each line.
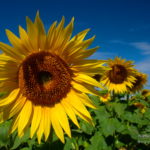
[53, 97]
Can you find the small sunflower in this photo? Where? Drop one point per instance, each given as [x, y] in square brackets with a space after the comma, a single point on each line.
[145, 92]
[105, 97]
[141, 106]
[141, 80]
[47, 76]
[119, 75]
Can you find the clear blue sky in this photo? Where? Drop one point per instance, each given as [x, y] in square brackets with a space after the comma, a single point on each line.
[122, 27]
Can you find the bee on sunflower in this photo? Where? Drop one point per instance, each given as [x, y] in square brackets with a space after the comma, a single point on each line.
[47, 77]
[119, 76]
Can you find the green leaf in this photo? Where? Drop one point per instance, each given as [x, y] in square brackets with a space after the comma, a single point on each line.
[101, 114]
[70, 144]
[97, 142]
[86, 127]
[26, 148]
[95, 99]
[18, 141]
[109, 126]
[133, 132]
[4, 137]
[120, 108]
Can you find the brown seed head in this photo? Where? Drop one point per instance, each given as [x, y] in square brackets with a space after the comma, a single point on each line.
[44, 78]
[118, 74]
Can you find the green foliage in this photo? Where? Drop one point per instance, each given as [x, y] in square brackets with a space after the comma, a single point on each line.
[118, 124]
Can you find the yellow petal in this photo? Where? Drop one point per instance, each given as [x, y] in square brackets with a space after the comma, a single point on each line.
[75, 102]
[87, 79]
[8, 50]
[83, 54]
[62, 117]
[16, 42]
[50, 36]
[56, 125]
[10, 98]
[40, 130]
[32, 34]
[35, 120]
[25, 115]
[70, 112]
[25, 39]
[8, 86]
[47, 124]
[80, 36]
[41, 32]
[86, 101]
[82, 116]
[14, 124]
[64, 38]
[85, 88]
[14, 108]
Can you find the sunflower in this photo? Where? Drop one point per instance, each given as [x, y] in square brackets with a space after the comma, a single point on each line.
[105, 97]
[119, 75]
[145, 92]
[141, 80]
[141, 106]
[47, 77]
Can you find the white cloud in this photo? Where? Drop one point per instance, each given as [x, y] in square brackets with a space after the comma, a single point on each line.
[144, 65]
[144, 46]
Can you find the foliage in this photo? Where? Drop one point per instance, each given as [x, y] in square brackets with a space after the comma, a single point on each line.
[118, 124]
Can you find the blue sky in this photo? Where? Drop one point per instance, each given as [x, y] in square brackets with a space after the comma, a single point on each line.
[122, 27]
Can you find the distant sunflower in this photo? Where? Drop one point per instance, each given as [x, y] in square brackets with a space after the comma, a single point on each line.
[46, 76]
[141, 80]
[145, 93]
[141, 106]
[119, 76]
[105, 97]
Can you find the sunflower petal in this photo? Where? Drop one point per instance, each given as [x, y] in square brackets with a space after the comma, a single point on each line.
[47, 124]
[36, 119]
[8, 50]
[69, 111]
[87, 79]
[56, 125]
[40, 130]
[62, 117]
[85, 88]
[25, 116]
[14, 108]
[16, 42]
[10, 98]
[75, 102]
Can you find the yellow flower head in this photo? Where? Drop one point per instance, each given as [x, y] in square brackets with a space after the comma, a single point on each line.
[119, 76]
[141, 106]
[46, 76]
[145, 92]
[141, 80]
[105, 98]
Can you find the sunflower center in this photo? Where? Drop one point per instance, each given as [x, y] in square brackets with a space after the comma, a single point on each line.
[138, 81]
[118, 74]
[44, 78]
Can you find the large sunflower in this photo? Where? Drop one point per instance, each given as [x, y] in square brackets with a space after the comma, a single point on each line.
[141, 80]
[119, 76]
[47, 76]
